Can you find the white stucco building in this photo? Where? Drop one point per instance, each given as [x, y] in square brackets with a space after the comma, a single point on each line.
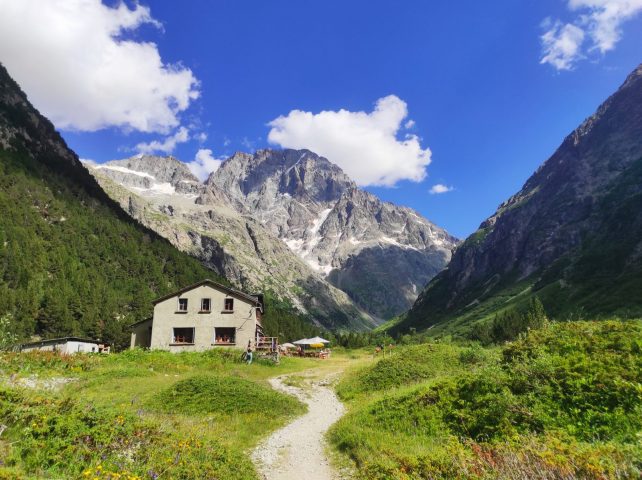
[67, 345]
[200, 317]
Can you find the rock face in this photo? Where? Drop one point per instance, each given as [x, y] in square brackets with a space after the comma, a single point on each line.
[380, 254]
[572, 235]
[204, 221]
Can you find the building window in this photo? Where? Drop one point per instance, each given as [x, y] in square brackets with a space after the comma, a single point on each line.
[206, 305]
[229, 305]
[182, 304]
[183, 336]
[224, 336]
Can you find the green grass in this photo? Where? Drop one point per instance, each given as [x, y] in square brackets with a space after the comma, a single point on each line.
[222, 395]
[563, 401]
[139, 414]
[404, 366]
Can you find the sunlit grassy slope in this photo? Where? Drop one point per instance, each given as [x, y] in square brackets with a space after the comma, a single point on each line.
[563, 401]
[142, 414]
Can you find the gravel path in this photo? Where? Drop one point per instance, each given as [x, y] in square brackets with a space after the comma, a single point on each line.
[297, 451]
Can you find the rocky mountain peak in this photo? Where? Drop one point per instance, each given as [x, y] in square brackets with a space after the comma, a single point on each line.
[338, 229]
[307, 204]
[152, 174]
[297, 173]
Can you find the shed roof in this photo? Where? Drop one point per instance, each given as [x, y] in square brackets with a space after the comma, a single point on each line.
[230, 291]
[148, 319]
[50, 341]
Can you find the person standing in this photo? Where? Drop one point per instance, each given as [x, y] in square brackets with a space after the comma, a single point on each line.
[248, 353]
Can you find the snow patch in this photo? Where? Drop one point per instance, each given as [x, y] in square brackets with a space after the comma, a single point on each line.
[124, 170]
[304, 247]
[157, 189]
[314, 230]
[297, 162]
[295, 245]
[320, 220]
[392, 241]
[317, 267]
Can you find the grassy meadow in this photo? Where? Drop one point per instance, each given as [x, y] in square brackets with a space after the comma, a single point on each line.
[561, 402]
[142, 415]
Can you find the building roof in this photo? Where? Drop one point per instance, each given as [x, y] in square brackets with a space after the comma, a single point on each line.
[230, 291]
[49, 341]
[148, 319]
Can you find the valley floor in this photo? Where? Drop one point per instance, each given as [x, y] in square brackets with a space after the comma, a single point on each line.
[560, 402]
[152, 415]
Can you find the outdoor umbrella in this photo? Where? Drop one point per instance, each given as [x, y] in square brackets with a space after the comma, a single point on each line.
[317, 340]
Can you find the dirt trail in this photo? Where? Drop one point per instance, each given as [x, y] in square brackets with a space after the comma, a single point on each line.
[297, 451]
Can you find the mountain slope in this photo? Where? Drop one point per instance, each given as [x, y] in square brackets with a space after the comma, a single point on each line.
[379, 253]
[71, 260]
[205, 222]
[572, 235]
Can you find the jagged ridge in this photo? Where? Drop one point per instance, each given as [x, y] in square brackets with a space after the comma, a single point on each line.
[572, 235]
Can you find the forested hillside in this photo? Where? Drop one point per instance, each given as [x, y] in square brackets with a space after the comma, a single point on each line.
[71, 261]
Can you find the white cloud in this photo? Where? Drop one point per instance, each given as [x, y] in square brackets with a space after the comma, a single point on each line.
[364, 145]
[440, 188]
[204, 163]
[600, 20]
[409, 124]
[74, 60]
[561, 45]
[167, 145]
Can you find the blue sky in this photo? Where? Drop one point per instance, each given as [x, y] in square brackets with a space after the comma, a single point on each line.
[469, 77]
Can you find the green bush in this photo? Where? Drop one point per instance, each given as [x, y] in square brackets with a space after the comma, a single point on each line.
[510, 324]
[405, 366]
[66, 438]
[225, 395]
[565, 401]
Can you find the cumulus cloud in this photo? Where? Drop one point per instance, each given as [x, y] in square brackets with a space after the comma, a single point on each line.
[599, 20]
[167, 145]
[561, 45]
[74, 60]
[204, 163]
[364, 145]
[440, 188]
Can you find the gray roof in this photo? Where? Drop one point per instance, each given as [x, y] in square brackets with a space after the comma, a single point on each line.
[50, 341]
[231, 291]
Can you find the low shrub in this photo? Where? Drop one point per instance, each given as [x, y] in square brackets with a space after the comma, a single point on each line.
[46, 362]
[228, 395]
[66, 438]
[565, 401]
[406, 366]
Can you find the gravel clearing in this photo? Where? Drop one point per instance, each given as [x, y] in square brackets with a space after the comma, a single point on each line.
[298, 450]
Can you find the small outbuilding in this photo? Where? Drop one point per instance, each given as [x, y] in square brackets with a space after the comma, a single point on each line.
[67, 345]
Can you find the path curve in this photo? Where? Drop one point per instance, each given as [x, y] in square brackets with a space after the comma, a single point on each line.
[297, 451]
